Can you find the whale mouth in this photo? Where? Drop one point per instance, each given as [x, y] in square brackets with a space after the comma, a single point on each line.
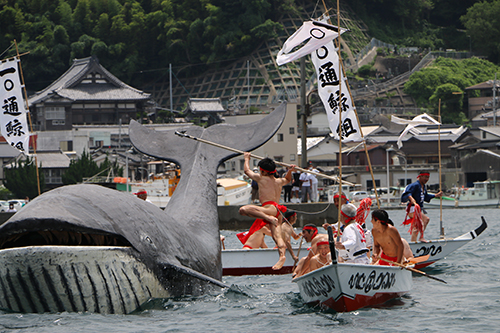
[62, 235]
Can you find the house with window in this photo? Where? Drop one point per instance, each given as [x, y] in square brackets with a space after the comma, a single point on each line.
[281, 148]
[87, 94]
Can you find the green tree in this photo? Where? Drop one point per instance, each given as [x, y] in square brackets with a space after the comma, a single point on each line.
[21, 179]
[80, 168]
[483, 25]
[444, 77]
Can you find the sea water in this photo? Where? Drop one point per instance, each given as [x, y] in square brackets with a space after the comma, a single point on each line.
[469, 302]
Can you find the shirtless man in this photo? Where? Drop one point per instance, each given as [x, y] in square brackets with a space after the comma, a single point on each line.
[256, 240]
[386, 238]
[310, 234]
[287, 231]
[322, 258]
[269, 195]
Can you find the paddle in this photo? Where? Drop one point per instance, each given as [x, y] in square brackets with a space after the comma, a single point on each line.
[420, 259]
[184, 135]
[411, 269]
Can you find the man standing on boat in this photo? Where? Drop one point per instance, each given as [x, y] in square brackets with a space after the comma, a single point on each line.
[416, 194]
[352, 245]
[269, 195]
[386, 239]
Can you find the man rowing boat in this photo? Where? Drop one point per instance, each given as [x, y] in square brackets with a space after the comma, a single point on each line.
[386, 239]
[269, 195]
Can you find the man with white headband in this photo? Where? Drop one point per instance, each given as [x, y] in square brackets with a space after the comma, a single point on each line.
[352, 245]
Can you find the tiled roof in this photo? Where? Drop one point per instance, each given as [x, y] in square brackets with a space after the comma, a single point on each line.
[69, 85]
[205, 105]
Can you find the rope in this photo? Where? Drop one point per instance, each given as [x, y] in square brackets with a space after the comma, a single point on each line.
[309, 213]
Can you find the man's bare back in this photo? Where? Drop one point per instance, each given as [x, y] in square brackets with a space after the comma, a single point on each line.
[386, 237]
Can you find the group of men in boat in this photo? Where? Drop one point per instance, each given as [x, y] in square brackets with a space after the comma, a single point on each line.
[353, 241]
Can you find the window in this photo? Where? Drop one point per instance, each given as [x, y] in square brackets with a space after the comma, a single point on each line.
[242, 164]
[369, 184]
[292, 157]
[292, 130]
[55, 113]
[484, 135]
[278, 158]
[280, 137]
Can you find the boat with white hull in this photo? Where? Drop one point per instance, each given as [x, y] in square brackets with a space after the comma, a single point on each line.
[347, 287]
[483, 195]
[440, 248]
[239, 262]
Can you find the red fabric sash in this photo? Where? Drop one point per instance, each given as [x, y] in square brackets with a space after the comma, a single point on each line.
[363, 210]
[416, 220]
[385, 263]
[259, 223]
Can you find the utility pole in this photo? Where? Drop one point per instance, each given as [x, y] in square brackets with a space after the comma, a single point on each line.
[494, 101]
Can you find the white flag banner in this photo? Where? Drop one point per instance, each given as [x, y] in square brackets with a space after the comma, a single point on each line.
[310, 36]
[423, 119]
[13, 124]
[326, 63]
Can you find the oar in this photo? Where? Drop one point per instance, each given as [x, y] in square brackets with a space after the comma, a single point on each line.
[411, 269]
[298, 252]
[420, 259]
[184, 135]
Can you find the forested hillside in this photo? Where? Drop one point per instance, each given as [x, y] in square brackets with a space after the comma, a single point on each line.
[137, 39]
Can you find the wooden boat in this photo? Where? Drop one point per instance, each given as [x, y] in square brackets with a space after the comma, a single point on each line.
[347, 287]
[438, 249]
[239, 262]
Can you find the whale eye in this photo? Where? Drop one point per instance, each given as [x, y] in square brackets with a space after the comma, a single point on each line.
[149, 240]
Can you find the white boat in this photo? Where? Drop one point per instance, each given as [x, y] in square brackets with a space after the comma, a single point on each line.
[230, 191]
[482, 195]
[347, 287]
[256, 261]
[438, 249]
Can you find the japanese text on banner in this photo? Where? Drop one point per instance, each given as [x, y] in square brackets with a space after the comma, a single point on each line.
[326, 63]
[13, 124]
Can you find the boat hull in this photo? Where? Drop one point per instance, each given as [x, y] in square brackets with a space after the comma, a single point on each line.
[75, 279]
[349, 287]
[486, 203]
[239, 262]
[439, 249]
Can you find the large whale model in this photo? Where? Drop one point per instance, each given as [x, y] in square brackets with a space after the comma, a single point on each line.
[90, 248]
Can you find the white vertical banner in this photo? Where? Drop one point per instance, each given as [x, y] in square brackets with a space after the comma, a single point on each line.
[13, 123]
[326, 63]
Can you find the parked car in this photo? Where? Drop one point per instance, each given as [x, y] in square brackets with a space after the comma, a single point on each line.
[359, 195]
[4, 205]
[18, 203]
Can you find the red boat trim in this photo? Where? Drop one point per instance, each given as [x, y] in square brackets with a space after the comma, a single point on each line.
[347, 304]
[239, 271]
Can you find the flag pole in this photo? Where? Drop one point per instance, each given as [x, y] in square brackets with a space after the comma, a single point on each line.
[341, 68]
[440, 187]
[28, 114]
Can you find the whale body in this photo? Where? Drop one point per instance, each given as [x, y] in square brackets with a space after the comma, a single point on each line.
[89, 248]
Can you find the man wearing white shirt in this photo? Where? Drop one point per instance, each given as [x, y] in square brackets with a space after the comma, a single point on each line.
[314, 183]
[305, 180]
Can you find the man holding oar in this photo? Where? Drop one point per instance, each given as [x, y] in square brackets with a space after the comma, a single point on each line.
[269, 194]
[386, 239]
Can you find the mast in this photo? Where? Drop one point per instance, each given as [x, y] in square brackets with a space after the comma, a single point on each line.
[28, 115]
